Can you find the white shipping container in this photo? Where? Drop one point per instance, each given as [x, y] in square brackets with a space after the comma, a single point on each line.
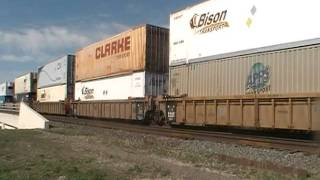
[56, 73]
[52, 94]
[6, 89]
[135, 85]
[219, 27]
[25, 84]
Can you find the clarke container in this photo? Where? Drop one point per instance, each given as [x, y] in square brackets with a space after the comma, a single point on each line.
[214, 28]
[143, 48]
[56, 80]
[25, 87]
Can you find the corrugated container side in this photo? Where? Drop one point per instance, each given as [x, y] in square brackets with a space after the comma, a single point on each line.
[147, 50]
[93, 62]
[156, 84]
[283, 72]
[178, 80]
[157, 49]
[71, 77]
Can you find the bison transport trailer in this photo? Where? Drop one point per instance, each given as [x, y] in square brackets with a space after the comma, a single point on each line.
[216, 28]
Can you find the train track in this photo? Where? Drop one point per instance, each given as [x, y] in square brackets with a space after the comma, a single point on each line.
[292, 145]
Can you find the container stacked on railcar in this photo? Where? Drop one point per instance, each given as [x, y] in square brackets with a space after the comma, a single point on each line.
[246, 64]
[25, 88]
[56, 80]
[6, 92]
[132, 64]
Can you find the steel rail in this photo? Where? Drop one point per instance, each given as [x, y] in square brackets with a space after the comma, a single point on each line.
[292, 145]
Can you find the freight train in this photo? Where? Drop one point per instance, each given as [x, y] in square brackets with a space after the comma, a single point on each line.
[227, 66]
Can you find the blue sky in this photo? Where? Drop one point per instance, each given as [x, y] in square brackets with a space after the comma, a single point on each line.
[34, 32]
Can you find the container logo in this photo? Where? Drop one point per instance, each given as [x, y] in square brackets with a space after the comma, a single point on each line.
[105, 92]
[87, 93]
[58, 67]
[43, 94]
[253, 11]
[118, 47]
[53, 77]
[259, 79]
[209, 22]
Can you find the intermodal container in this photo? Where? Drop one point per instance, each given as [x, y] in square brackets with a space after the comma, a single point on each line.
[291, 71]
[25, 87]
[6, 92]
[6, 89]
[56, 80]
[143, 48]
[57, 72]
[218, 27]
[135, 85]
[52, 94]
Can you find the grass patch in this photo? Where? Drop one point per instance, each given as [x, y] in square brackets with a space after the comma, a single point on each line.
[27, 155]
[136, 169]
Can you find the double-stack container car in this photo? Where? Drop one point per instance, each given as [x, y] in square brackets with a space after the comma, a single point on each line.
[132, 64]
[113, 76]
[252, 64]
[6, 92]
[56, 80]
[25, 88]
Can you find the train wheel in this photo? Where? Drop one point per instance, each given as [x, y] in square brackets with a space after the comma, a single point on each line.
[161, 119]
[148, 118]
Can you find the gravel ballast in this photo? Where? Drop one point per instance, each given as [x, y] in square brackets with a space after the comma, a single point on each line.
[216, 155]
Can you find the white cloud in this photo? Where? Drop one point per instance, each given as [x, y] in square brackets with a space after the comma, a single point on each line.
[43, 44]
[35, 42]
[14, 58]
